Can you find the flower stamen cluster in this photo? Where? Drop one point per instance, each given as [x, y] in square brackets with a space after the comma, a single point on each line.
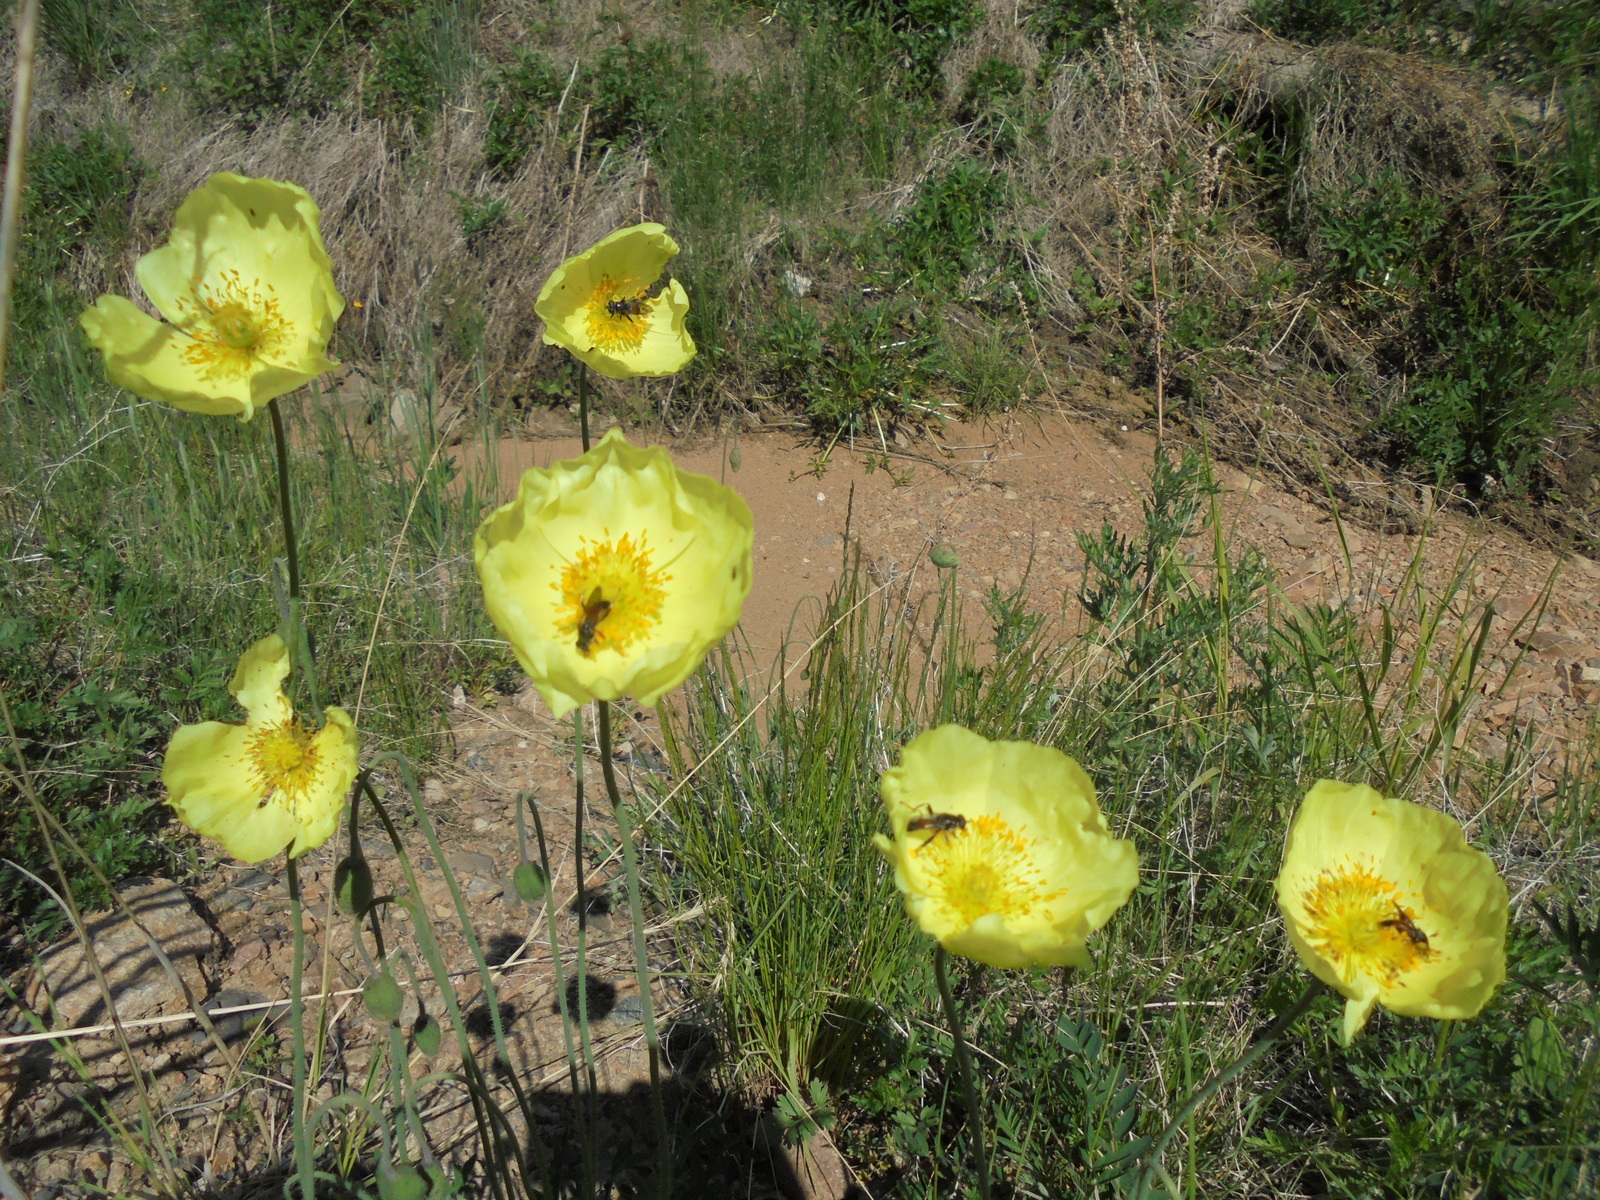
[611, 596]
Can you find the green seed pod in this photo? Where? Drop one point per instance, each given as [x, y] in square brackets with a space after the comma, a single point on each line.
[530, 882]
[735, 459]
[401, 1181]
[382, 996]
[352, 886]
[426, 1035]
[944, 555]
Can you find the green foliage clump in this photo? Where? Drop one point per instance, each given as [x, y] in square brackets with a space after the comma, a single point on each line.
[254, 57]
[98, 38]
[1076, 26]
[524, 90]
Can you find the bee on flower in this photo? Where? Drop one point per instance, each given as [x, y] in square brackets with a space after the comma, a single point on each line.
[1386, 903]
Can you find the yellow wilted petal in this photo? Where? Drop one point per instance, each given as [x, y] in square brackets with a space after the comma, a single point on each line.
[270, 783]
[1386, 903]
[610, 309]
[1000, 849]
[613, 573]
[246, 287]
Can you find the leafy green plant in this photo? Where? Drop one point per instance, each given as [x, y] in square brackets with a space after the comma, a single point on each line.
[1075, 26]
[524, 90]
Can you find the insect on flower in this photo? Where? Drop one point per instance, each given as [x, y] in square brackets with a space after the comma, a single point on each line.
[936, 821]
[634, 306]
[595, 609]
[1403, 922]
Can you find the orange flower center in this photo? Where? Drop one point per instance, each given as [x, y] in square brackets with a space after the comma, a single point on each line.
[233, 326]
[611, 595]
[617, 314]
[284, 758]
[1355, 919]
[980, 867]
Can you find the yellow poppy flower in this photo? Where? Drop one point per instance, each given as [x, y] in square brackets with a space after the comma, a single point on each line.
[1000, 849]
[613, 573]
[269, 783]
[248, 290]
[1387, 904]
[614, 309]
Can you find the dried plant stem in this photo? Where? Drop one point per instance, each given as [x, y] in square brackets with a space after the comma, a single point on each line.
[641, 957]
[16, 156]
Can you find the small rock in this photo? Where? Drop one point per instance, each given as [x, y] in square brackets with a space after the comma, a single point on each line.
[627, 1011]
[1589, 674]
[230, 1026]
[471, 862]
[481, 825]
[485, 889]
[1299, 540]
[796, 284]
[139, 983]
[477, 762]
[458, 698]
[433, 791]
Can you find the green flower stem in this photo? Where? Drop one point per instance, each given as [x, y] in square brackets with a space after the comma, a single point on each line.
[303, 1163]
[1225, 1076]
[583, 402]
[585, 1142]
[641, 957]
[581, 956]
[969, 1086]
[298, 638]
[495, 1134]
[284, 508]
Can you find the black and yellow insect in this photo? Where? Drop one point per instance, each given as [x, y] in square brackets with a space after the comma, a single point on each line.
[634, 306]
[595, 609]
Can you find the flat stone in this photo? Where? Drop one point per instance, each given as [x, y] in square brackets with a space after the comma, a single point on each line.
[139, 984]
[471, 862]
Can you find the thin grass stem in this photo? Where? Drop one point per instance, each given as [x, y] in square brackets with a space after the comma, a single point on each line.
[1229, 1073]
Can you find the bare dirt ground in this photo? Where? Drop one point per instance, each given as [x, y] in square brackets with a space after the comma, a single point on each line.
[1009, 497]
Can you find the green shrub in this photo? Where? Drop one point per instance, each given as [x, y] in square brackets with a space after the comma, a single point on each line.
[1079, 26]
[253, 57]
[98, 38]
[524, 90]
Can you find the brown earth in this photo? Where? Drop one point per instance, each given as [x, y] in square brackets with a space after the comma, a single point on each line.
[1010, 497]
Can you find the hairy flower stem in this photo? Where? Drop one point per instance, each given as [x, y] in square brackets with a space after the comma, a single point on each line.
[969, 1085]
[585, 1142]
[1222, 1078]
[641, 956]
[583, 402]
[581, 869]
[303, 1164]
[295, 635]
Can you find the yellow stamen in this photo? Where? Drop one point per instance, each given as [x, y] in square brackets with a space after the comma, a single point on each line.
[233, 325]
[610, 595]
[1357, 921]
[612, 331]
[284, 757]
[984, 868]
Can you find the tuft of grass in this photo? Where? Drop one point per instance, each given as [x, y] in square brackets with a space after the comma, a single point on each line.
[1202, 704]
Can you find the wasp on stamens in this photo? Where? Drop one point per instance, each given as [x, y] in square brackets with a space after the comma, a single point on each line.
[595, 610]
[1403, 922]
[937, 822]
